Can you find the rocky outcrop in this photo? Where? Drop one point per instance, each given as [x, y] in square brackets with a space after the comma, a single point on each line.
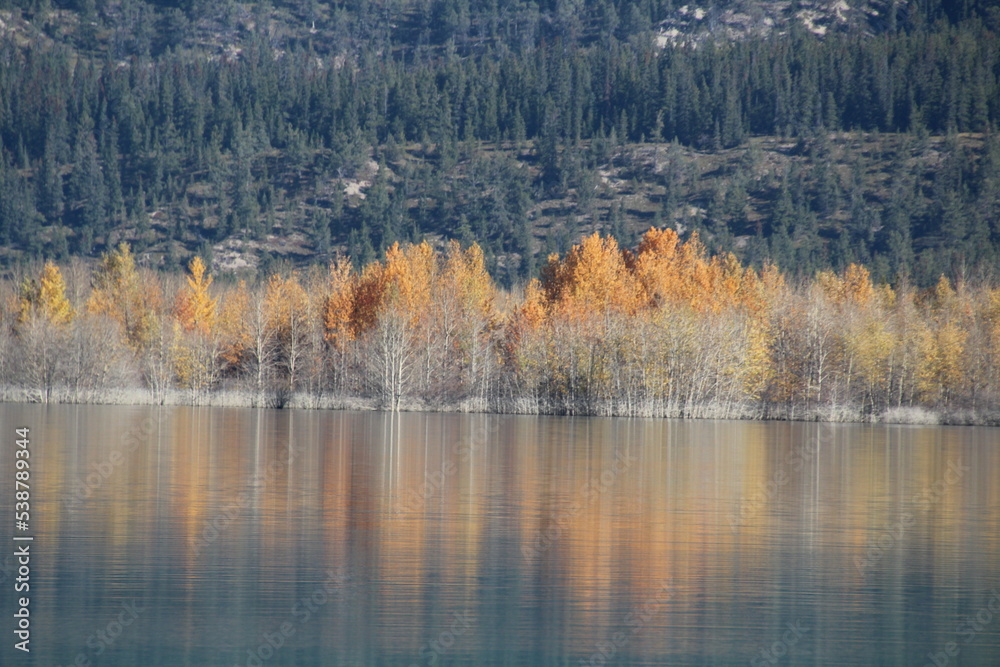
[692, 24]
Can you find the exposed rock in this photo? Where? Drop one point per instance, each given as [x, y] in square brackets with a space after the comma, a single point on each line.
[742, 19]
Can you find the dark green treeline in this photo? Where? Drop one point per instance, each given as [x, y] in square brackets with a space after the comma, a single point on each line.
[121, 119]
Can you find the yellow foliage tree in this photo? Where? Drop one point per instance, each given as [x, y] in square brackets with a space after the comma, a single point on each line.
[409, 274]
[46, 297]
[194, 308]
[286, 301]
[402, 282]
[526, 318]
[939, 372]
[234, 334]
[993, 321]
[193, 360]
[454, 345]
[870, 346]
[854, 286]
[121, 294]
[465, 277]
[289, 317]
[943, 295]
[678, 273]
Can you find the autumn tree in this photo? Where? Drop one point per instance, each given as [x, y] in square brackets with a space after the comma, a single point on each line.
[260, 355]
[456, 354]
[338, 331]
[665, 330]
[943, 344]
[289, 318]
[44, 317]
[232, 330]
[390, 316]
[584, 294]
[338, 305]
[193, 307]
[131, 300]
[194, 346]
[854, 286]
[990, 342]
[45, 298]
[593, 278]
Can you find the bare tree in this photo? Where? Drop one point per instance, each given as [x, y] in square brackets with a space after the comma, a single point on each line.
[41, 355]
[294, 343]
[157, 365]
[390, 352]
[260, 361]
[97, 358]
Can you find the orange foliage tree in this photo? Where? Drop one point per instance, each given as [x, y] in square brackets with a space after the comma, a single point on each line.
[338, 305]
[664, 329]
[233, 329]
[592, 279]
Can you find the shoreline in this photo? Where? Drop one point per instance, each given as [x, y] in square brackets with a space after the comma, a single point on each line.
[235, 398]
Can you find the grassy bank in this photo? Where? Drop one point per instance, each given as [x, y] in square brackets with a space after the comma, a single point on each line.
[237, 398]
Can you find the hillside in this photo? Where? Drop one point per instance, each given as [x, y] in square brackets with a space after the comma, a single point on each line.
[810, 134]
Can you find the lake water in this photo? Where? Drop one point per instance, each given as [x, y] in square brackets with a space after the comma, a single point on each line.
[208, 536]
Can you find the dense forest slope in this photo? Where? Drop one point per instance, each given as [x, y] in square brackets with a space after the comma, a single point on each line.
[809, 134]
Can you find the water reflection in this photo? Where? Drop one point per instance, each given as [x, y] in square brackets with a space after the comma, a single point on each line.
[281, 537]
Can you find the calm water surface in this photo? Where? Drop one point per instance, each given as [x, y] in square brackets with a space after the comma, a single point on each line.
[208, 536]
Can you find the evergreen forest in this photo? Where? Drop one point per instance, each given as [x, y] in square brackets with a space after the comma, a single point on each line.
[268, 136]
